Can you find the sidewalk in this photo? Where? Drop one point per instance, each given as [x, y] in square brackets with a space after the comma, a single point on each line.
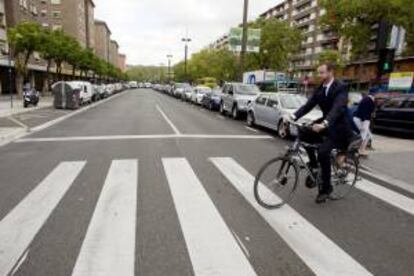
[6, 110]
[392, 157]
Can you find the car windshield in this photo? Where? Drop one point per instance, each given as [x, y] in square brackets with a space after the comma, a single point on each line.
[203, 90]
[292, 101]
[247, 89]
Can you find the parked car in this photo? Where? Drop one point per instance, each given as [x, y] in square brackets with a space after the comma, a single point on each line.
[133, 84]
[269, 109]
[178, 89]
[212, 99]
[188, 92]
[236, 98]
[396, 115]
[110, 89]
[198, 94]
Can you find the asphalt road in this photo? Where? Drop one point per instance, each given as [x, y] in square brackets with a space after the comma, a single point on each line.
[147, 185]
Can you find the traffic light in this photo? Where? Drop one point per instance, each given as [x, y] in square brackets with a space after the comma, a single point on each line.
[386, 61]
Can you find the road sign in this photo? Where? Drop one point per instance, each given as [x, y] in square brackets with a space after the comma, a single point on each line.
[401, 81]
[253, 40]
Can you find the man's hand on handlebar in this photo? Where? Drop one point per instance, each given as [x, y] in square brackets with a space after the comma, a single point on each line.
[318, 127]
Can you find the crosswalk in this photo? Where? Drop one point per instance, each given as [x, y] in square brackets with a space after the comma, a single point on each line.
[109, 245]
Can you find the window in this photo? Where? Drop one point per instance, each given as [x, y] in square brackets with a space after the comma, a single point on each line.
[272, 101]
[55, 2]
[57, 27]
[261, 100]
[56, 14]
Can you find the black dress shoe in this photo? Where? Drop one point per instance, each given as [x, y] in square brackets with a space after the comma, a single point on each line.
[321, 198]
[324, 195]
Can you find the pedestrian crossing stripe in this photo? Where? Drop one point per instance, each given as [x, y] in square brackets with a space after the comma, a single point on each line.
[108, 247]
[20, 226]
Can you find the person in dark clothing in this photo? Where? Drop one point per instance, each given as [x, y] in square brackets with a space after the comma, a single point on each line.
[362, 119]
[333, 130]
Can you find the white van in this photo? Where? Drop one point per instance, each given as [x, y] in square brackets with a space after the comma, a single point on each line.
[86, 90]
[133, 84]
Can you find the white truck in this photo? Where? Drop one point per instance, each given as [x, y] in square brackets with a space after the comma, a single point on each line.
[254, 77]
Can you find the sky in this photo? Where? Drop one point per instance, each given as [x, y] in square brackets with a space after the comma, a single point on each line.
[148, 30]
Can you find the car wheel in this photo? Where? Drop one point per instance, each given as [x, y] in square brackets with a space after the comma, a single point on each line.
[250, 119]
[235, 112]
[283, 130]
[222, 110]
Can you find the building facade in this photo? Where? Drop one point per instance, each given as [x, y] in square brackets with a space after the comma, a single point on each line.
[305, 15]
[221, 43]
[113, 53]
[102, 39]
[74, 17]
[122, 62]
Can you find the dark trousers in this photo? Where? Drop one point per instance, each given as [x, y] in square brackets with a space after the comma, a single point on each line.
[325, 146]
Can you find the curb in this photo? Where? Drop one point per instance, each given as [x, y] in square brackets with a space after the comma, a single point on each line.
[22, 111]
[18, 134]
[385, 180]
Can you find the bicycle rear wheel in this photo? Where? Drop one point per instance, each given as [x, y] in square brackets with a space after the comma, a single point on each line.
[275, 182]
[344, 177]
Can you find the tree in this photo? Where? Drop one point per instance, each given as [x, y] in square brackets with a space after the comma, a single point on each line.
[332, 56]
[278, 42]
[24, 39]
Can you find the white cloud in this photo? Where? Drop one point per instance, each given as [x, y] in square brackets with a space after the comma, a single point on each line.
[148, 30]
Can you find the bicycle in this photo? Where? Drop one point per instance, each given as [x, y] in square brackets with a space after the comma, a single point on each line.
[277, 180]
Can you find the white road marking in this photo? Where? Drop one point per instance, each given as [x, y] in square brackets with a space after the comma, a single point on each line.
[175, 129]
[20, 262]
[390, 180]
[221, 117]
[56, 121]
[316, 250]
[251, 129]
[109, 245]
[213, 249]
[20, 226]
[243, 247]
[142, 137]
[393, 198]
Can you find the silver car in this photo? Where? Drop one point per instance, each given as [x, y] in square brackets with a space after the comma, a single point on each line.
[269, 109]
[236, 98]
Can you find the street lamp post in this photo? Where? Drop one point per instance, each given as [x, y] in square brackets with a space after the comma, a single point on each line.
[186, 41]
[169, 57]
[244, 39]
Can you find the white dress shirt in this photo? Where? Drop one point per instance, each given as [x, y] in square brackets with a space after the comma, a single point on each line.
[328, 86]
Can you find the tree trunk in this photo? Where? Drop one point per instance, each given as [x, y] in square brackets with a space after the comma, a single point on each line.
[46, 83]
[19, 84]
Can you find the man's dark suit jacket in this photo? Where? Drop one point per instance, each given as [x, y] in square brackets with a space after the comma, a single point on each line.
[334, 108]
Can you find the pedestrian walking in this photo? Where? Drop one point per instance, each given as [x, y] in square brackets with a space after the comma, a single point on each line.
[362, 119]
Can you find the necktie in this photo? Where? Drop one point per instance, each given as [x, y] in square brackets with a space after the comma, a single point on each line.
[325, 91]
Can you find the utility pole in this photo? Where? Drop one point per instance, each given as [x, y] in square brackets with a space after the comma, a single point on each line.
[169, 57]
[186, 40]
[244, 39]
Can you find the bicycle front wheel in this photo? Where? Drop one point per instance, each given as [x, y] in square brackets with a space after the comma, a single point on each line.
[275, 182]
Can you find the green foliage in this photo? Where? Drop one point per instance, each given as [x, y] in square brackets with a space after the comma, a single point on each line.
[332, 56]
[353, 20]
[55, 46]
[279, 41]
[148, 73]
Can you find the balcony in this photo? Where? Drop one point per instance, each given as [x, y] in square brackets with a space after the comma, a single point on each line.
[299, 3]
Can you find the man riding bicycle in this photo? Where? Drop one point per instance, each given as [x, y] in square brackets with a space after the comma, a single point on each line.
[332, 131]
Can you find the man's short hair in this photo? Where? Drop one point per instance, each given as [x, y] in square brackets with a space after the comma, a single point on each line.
[330, 66]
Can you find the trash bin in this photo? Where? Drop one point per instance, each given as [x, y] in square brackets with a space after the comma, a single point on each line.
[66, 96]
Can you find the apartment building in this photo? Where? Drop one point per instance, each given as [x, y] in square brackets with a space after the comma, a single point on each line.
[75, 17]
[102, 39]
[221, 43]
[3, 30]
[113, 53]
[305, 15]
[122, 62]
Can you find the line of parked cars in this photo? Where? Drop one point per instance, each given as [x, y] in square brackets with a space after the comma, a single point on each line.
[244, 101]
[84, 92]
